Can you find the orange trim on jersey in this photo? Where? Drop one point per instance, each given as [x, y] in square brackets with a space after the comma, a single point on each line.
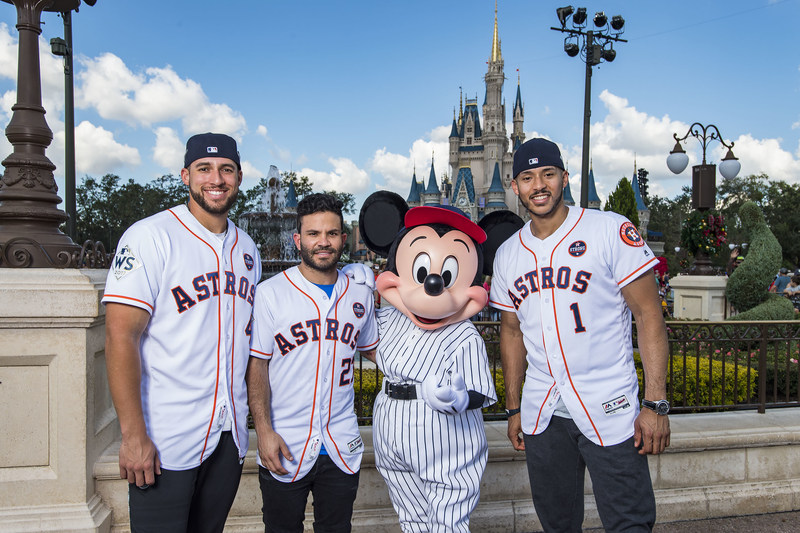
[558, 334]
[129, 298]
[544, 343]
[644, 266]
[333, 378]
[219, 333]
[501, 304]
[233, 342]
[368, 347]
[316, 376]
[261, 353]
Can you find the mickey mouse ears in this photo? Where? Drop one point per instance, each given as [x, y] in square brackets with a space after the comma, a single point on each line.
[380, 220]
[499, 226]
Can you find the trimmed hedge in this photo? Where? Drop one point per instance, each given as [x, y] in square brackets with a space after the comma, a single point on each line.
[695, 390]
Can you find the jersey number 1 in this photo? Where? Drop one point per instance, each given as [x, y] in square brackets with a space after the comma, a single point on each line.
[576, 313]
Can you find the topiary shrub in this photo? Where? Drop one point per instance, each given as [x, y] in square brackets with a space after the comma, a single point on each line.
[747, 285]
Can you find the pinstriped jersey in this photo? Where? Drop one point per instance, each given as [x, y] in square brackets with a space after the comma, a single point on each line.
[576, 326]
[311, 340]
[408, 353]
[199, 291]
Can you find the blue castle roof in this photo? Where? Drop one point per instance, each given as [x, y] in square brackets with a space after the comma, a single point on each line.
[413, 195]
[637, 194]
[592, 190]
[497, 182]
[464, 176]
[291, 197]
[568, 195]
[433, 187]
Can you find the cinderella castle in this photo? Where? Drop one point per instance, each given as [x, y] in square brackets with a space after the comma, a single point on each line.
[481, 152]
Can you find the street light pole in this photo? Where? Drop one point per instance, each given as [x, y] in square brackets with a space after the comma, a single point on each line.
[63, 47]
[594, 46]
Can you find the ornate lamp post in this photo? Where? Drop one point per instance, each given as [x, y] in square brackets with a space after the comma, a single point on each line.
[594, 47]
[704, 176]
[29, 216]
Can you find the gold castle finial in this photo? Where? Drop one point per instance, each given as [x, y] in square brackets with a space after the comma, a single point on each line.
[496, 54]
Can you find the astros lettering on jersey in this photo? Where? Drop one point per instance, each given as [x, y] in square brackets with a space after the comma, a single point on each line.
[575, 323]
[199, 290]
[311, 342]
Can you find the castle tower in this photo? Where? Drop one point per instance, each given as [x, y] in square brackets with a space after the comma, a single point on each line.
[568, 195]
[496, 195]
[479, 140]
[518, 136]
[594, 199]
[432, 195]
[414, 199]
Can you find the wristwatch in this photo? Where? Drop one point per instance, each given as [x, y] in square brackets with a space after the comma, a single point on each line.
[661, 407]
[512, 412]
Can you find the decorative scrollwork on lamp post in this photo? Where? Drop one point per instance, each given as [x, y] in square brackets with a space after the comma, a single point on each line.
[704, 176]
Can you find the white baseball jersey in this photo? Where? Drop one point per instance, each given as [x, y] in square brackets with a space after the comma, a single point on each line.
[199, 291]
[311, 342]
[431, 461]
[566, 291]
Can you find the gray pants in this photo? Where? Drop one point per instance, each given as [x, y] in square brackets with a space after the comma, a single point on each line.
[557, 459]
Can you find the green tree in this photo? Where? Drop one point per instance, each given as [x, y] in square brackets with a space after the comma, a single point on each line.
[106, 207]
[248, 200]
[783, 218]
[302, 185]
[623, 201]
[347, 199]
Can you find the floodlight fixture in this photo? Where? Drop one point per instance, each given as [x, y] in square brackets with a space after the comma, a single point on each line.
[579, 18]
[563, 14]
[572, 49]
[617, 22]
[600, 19]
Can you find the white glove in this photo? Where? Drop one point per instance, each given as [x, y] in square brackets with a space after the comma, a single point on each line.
[449, 398]
[360, 274]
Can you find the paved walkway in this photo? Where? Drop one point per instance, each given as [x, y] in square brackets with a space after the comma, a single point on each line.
[763, 523]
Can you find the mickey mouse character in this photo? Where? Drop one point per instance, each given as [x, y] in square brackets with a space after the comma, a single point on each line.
[429, 440]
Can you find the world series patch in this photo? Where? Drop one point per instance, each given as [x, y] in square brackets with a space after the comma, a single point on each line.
[630, 235]
[125, 262]
[358, 309]
[577, 248]
[248, 261]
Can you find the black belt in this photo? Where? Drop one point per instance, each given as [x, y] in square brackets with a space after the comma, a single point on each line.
[401, 391]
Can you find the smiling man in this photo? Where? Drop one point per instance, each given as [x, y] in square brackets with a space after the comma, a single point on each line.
[179, 298]
[566, 284]
[308, 323]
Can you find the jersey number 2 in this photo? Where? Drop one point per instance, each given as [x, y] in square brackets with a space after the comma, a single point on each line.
[346, 377]
[576, 313]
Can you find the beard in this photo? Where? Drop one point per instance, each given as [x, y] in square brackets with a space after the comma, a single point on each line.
[221, 209]
[321, 265]
[556, 204]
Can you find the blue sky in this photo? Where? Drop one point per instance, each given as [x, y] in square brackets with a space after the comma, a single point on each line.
[357, 94]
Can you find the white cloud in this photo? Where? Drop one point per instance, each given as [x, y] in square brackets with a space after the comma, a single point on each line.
[96, 151]
[262, 130]
[169, 149]
[251, 172]
[397, 169]
[155, 95]
[345, 177]
[764, 155]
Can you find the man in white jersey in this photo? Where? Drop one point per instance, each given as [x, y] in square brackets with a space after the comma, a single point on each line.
[308, 323]
[179, 298]
[566, 284]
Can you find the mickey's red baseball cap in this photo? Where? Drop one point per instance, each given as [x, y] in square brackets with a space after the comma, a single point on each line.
[444, 214]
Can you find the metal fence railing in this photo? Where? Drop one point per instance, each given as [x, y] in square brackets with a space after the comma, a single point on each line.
[713, 366]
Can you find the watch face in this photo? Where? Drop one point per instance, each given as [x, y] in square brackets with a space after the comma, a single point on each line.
[662, 407]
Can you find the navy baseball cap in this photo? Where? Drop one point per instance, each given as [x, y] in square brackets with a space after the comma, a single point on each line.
[444, 214]
[210, 145]
[537, 153]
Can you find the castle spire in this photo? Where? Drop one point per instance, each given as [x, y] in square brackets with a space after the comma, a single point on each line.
[496, 54]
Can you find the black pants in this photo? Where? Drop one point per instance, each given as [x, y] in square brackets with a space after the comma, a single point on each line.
[196, 500]
[557, 460]
[284, 504]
